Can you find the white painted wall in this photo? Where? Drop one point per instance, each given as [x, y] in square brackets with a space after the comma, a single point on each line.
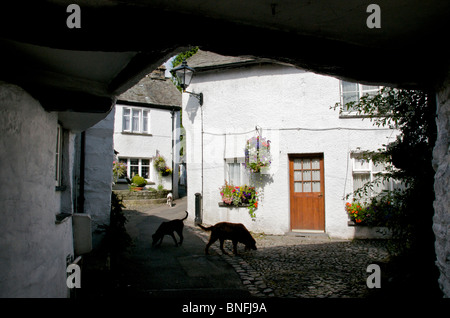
[146, 145]
[275, 98]
[33, 248]
[99, 156]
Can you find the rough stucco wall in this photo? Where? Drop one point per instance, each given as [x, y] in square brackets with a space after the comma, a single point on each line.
[99, 156]
[33, 248]
[278, 98]
[441, 164]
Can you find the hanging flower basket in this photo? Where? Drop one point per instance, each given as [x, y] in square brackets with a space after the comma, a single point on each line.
[160, 166]
[257, 154]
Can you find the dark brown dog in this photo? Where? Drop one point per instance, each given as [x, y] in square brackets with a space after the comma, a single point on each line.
[168, 228]
[230, 231]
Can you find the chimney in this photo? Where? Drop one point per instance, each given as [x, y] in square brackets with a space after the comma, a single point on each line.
[159, 73]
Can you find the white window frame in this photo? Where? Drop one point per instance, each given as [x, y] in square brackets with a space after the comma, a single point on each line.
[360, 92]
[139, 165]
[372, 172]
[243, 174]
[143, 119]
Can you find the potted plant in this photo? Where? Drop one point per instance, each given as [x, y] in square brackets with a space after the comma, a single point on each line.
[257, 154]
[138, 183]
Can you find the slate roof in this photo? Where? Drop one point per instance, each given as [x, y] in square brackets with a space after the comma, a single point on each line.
[153, 89]
[204, 61]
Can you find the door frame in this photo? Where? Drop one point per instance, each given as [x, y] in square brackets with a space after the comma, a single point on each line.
[292, 156]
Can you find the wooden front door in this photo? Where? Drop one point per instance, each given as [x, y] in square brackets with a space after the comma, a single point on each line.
[306, 180]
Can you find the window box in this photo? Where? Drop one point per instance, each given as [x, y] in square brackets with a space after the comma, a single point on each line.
[240, 205]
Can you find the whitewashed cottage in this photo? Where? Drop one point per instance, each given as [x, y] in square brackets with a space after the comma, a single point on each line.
[314, 148]
[146, 125]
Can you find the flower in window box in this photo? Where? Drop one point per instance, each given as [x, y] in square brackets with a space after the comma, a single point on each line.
[239, 195]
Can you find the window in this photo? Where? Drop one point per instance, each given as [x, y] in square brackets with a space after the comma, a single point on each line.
[307, 175]
[352, 92]
[135, 120]
[365, 170]
[137, 166]
[58, 156]
[235, 171]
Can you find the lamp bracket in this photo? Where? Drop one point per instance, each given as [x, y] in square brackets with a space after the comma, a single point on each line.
[198, 96]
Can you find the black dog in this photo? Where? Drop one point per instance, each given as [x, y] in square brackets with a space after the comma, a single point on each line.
[168, 228]
[236, 232]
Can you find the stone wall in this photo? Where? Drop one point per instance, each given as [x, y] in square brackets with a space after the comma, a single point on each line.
[441, 164]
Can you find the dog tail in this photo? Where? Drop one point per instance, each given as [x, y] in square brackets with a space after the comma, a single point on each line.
[205, 228]
[185, 216]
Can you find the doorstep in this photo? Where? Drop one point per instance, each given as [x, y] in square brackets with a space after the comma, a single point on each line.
[309, 235]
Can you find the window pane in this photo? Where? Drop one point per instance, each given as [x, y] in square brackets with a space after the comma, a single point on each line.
[359, 179]
[306, 175]
[297, 187]
[145, 172]
[361, 164]
[145, 162]
[135, 120]
[378, 167]
[369, 89]
[134, 170]
[126, 119]
[350, 93]
[297, 176]
[316, 175]
[134, 162]
[145, 121]
[315, 164]
[306, 186]
[297, 164]
[316, 186]
[349, 87]
[306, 163]
[380, 186]
[234, 173]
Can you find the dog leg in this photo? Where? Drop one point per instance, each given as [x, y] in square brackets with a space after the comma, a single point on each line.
[211, 241]
[221, 246]
[174, 239]
[180, 234]
[235, 247]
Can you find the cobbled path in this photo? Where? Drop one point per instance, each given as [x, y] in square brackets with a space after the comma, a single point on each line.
[298, 267]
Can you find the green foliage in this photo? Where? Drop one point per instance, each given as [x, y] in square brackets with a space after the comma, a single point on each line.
[138, 181]
[410, 154]
[179, 59]
[185, 55]
[117, 239]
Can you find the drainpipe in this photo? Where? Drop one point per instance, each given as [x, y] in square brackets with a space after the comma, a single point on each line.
[172, 112]
[82, 165]
[201, 109]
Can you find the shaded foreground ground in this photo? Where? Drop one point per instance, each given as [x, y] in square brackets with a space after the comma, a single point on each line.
[282, 267]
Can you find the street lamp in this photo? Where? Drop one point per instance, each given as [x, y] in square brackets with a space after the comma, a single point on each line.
[184, 75]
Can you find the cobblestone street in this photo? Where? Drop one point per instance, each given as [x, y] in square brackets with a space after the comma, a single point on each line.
[298, 267]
